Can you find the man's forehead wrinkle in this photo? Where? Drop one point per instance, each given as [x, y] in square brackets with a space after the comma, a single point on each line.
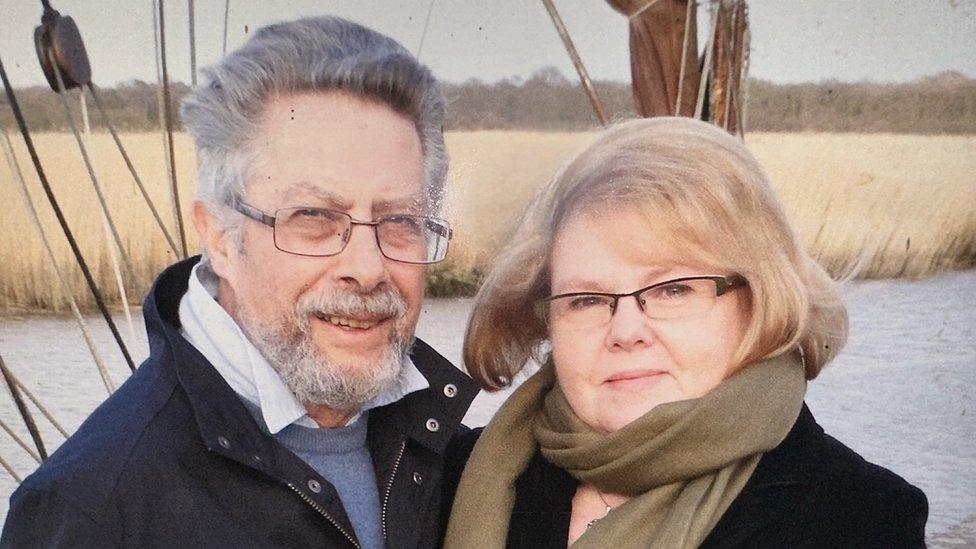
[303, 190]
[305, 193]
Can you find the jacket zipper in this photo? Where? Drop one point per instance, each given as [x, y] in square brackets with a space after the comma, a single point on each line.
[328, 517]
[389, 485]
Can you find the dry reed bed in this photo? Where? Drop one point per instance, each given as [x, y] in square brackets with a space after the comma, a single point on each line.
[890, 205]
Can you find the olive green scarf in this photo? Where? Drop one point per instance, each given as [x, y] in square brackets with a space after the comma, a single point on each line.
[683, 462]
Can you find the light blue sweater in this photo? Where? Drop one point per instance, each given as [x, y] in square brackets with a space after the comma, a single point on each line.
[342, 457]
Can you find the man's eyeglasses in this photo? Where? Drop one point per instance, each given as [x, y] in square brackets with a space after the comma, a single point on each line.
[320, 232]
[672, 299]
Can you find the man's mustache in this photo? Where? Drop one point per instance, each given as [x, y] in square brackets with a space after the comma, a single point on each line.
[383, 303]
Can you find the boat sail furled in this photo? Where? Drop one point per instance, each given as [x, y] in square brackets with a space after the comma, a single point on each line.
[666, 69]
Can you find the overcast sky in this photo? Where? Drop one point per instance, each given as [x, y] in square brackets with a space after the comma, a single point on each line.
[793, 40]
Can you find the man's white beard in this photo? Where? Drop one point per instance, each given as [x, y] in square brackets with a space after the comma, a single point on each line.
[309, 373]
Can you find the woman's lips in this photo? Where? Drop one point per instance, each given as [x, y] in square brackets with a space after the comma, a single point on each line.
[635, 379]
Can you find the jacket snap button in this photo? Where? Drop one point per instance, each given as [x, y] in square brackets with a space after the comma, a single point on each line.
[433, 425]
[314, 486]
[450, 390]
[256, 458]
[223, 442]
[418, 479]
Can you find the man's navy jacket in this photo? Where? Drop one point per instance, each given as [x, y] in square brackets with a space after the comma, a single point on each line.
[173, 458]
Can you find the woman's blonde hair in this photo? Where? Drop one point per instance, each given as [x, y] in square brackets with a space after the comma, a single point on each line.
[707, 191]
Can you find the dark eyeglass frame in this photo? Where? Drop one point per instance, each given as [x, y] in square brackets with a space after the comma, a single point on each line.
[261, 217]
[722, 285]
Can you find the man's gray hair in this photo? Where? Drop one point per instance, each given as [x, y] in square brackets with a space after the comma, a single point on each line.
[317, 54]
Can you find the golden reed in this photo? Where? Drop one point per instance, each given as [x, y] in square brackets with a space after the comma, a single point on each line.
[880, 205]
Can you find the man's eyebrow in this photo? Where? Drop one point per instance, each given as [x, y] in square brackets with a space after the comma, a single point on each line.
[413, 203]
[304, 189]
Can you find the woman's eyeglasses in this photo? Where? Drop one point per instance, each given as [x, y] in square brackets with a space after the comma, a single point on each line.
[672, 299]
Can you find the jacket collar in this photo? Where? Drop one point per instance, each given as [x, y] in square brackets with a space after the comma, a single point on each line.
[226, 426]
[793, 461]
[775, 491]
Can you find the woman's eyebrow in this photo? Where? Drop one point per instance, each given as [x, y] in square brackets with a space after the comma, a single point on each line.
[579, 285]
[584, 285]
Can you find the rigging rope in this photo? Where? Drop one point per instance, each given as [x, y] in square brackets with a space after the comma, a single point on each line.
[644, 8]
[89, 280]
[20, 442]
[113, 256]
[684, 56]
[168, 121]
[193, 43]
[742, 99]
[577, 62]
[91, 171]
[37, 403]
[160, 113]
[10, 470]
[132, 168]
[226, 18]
[44, 411]
[24, 411]
[707, 65]
[423, 35]
[85, 332]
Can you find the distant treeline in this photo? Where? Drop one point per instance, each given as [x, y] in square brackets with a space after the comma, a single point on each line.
[548, 100]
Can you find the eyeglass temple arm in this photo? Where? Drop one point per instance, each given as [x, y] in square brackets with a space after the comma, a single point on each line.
[441, 230]
[726, 283]
[255, 214]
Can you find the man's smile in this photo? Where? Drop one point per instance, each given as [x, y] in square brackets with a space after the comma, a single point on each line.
[349, 322]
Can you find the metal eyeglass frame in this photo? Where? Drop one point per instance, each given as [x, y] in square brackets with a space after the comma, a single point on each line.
[722, 285]
[260, 216]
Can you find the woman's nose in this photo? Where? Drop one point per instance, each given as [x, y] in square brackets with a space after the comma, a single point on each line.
[629, 327]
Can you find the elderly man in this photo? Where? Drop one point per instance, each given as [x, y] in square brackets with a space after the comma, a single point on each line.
[285, 401]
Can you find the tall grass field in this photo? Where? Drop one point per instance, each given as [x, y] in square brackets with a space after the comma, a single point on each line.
[880, 205]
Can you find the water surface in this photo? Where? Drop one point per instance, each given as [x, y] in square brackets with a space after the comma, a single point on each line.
[901, 393]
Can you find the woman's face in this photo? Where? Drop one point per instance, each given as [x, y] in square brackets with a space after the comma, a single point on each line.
[614, 374]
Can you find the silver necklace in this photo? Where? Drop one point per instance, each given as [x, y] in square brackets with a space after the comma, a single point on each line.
[605, 513]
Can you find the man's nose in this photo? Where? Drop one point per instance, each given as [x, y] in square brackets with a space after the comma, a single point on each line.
[361, 261]
[629, 327]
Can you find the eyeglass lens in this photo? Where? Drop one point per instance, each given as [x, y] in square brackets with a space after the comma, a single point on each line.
[671, 300]
[322, 232]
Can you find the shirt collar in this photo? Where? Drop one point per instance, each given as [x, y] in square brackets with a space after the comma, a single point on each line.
[208, 327]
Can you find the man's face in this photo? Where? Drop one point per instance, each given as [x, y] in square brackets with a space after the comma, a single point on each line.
[336, 328]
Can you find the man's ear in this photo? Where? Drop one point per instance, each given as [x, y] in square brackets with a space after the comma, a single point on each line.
[213, 237]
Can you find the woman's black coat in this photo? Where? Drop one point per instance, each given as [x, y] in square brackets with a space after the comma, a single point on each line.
[810, 491]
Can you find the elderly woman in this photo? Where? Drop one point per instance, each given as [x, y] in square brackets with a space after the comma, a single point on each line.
[678, 320]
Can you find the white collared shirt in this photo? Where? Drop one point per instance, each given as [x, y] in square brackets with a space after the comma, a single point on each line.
[208, 327]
